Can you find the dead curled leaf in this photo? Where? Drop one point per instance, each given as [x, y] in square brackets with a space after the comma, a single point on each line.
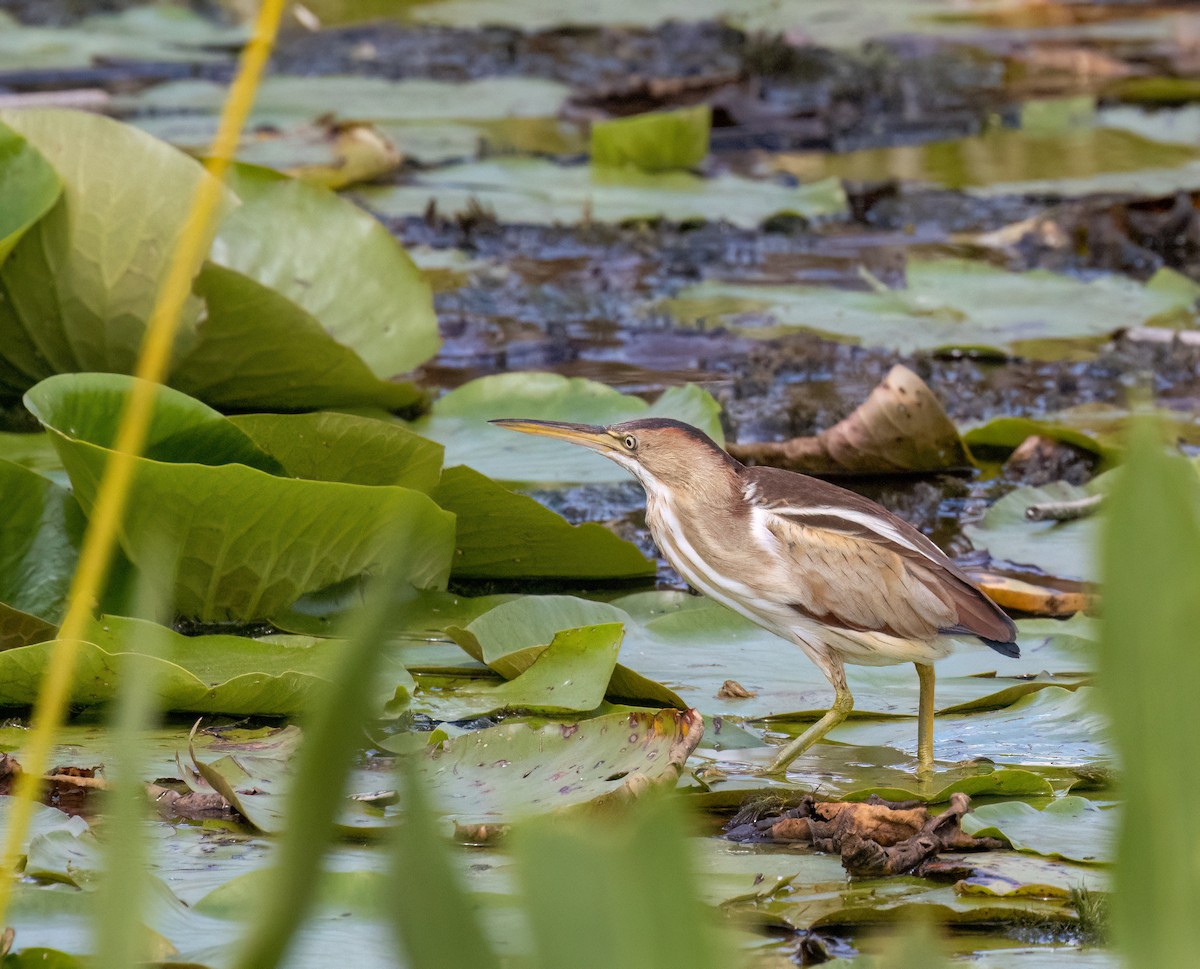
[361, 153]
[733, 690]
[873, 837]
[900, 428]
[1033, 599]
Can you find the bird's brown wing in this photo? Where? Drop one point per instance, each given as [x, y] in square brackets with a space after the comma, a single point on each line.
[866, 569]
[860, 584]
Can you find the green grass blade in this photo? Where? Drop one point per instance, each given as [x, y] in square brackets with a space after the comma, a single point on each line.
[617, 891]
[122, 895]
[1150, 668]
[431, 912]
[333, 734]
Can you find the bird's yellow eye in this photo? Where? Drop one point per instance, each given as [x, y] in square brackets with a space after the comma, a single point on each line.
[630, 442]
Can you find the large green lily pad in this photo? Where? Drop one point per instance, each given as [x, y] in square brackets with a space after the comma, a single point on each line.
[1070, 827]
[286, 361]
[40, 534]
[518, 769]
[80, 285]
[29, 185]
[201, 674]
[498, 773]
[338, 306]
[502, 535]
[459, 420]
[897, 903]
[946, 303]
[326, 446]
[525, 190]
[339, 265]
[248, 543]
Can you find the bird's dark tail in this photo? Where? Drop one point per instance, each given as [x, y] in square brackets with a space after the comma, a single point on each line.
[1011, 650]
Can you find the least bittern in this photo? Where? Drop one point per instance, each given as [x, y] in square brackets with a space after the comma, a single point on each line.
[833, 572]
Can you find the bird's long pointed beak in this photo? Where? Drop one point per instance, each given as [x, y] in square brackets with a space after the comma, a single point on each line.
[591, 436]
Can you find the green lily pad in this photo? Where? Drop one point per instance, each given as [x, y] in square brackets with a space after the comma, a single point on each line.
[1054, 726]
[292, 536]
[1008, 433]
[736, 874]
[18, 628]
[985, 783]
[570, 675]
[502, 535]
[200, 674]
[510, 637]
[327, 612]
[162, 32]
[529, 191]
[271, 365]
[1004, 161]
[57, 919]
[517, 769]
[866, 902]
[81, 283]
[344, 447]
[63, 855]
[28, 183]
[1099, 428]
[40, 535]
[340, 265]
[1070, 827]
[1013, 874]
[459, 421]
[35, 452]
[495, 774]
[1062, 549]
[947, 302]
[339, 306]
[659, 141]
[530, 621]
[43, 821]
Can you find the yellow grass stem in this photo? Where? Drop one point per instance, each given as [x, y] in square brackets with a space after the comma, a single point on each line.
[112, 496]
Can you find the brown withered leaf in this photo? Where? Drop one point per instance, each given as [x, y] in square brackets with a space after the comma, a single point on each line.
[900, 428]
[873, 837]
[361, 153]
[1035, 599]
[733, 690]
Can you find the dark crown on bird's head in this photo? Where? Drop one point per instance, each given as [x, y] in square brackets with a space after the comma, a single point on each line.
[659, 437]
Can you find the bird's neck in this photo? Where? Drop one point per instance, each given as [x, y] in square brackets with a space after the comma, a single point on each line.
[711, 486]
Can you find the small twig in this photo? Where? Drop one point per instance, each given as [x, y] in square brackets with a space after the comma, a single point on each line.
[1063, 511]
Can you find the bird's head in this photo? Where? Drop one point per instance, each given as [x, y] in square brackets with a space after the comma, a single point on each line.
[656, 450]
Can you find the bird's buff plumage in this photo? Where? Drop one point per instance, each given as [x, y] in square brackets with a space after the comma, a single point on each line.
[832, 572]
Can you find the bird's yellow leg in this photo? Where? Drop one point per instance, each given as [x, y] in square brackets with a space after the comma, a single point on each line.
[843, 703]
[925, 719]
